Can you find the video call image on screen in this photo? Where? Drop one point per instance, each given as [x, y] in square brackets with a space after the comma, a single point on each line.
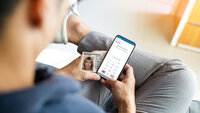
[116, 58]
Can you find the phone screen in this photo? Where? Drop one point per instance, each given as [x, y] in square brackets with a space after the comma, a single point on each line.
[116, 58]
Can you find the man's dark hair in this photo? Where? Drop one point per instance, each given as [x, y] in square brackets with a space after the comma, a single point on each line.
[6, 9]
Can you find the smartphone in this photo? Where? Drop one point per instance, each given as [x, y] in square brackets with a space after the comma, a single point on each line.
[116, 58]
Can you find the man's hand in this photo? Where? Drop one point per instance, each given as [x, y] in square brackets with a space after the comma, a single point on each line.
[123, 91]
[74, 70]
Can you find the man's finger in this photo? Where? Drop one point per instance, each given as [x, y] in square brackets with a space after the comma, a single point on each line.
[109, 83]
[105, 83]
[129, 73]
[112, 82]
[92, 76]
[122, 77]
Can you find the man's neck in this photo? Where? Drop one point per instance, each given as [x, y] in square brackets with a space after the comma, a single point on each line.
[12, 79]
[16, 71]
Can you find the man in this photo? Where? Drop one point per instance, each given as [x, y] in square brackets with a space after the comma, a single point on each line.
[27, 26]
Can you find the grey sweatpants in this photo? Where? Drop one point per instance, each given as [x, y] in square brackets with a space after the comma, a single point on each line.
[162, 85]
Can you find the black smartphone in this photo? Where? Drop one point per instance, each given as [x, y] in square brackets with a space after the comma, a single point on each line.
[116, 58]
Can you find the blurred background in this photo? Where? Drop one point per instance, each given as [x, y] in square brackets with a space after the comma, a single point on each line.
[169, 28]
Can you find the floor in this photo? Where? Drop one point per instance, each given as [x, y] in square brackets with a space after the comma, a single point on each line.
[144, 21]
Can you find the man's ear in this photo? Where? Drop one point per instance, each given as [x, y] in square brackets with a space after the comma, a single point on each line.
[36, 14]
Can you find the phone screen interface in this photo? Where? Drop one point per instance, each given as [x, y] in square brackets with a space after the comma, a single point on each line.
[116, 58]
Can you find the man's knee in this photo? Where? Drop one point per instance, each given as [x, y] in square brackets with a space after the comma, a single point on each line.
[169, 90]
[183, 76]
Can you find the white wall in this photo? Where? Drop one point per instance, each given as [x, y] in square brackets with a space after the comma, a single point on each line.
[114, 17]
